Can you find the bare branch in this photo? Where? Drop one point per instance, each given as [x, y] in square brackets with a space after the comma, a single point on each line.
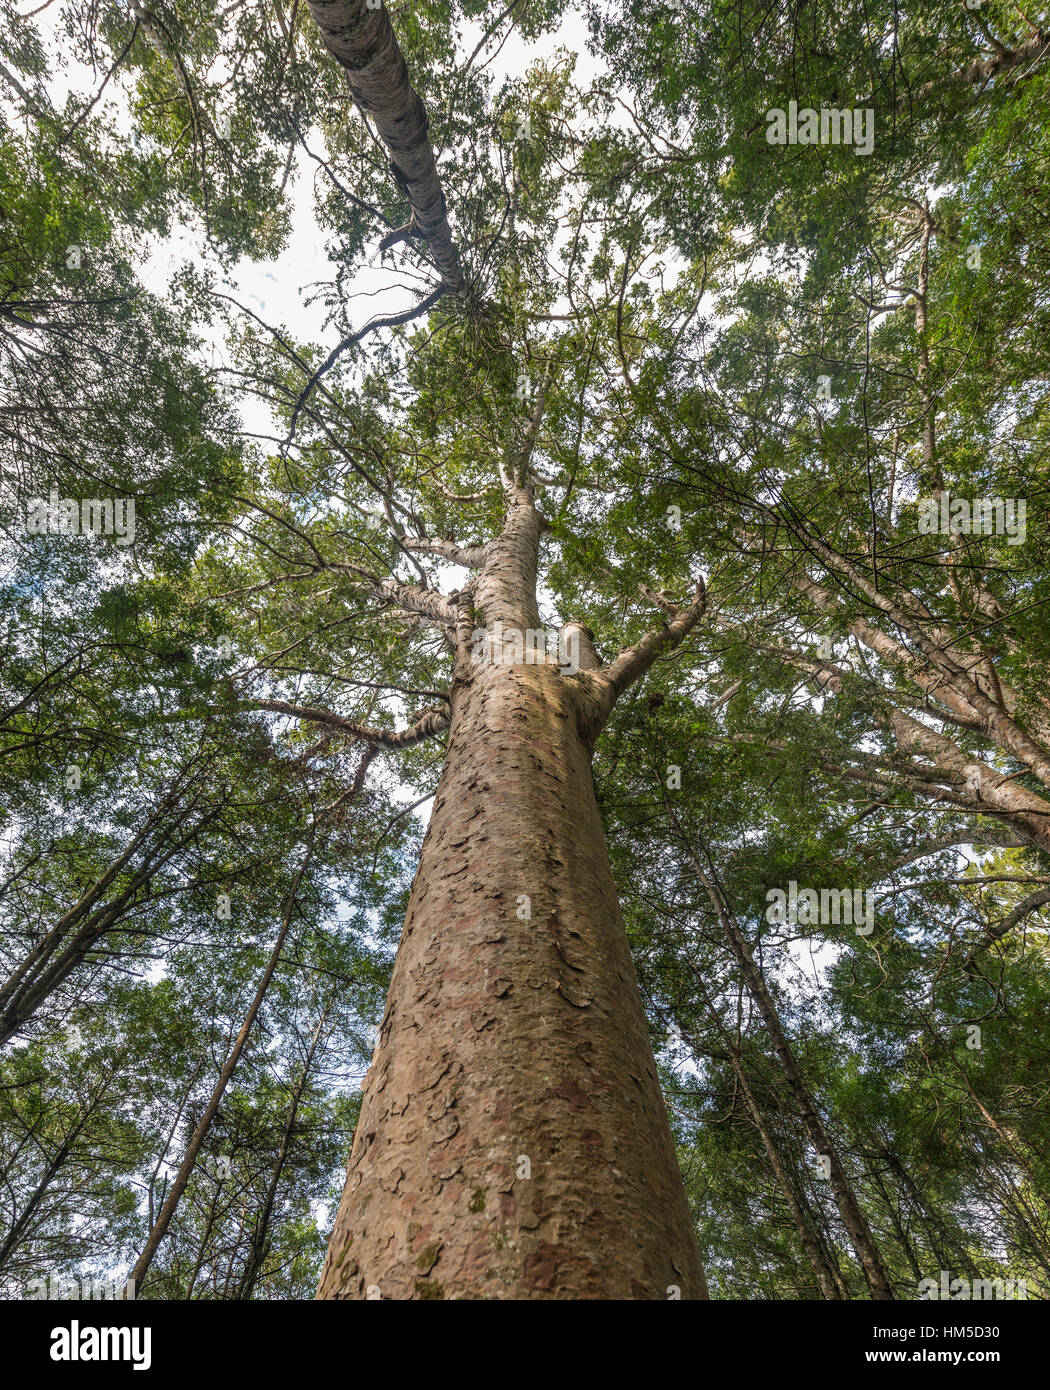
[386, 321]
[429, 723]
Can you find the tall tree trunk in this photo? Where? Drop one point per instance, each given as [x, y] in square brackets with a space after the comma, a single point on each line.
[822, 1261]
[513, 1140]
[891, 1201]
[949, 1250]
[67, 945]
[21, 1224]
[260, 1236]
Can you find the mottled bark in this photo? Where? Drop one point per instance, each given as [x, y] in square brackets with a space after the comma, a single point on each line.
[363, 43]
[513, 1141]
[514, 1040]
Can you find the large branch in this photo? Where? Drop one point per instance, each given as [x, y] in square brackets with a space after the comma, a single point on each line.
[995, 931]
[982, 70]
[431, 722]
[1028, 905]
[427, 603]
[633, 663]
[947, 781]
[955, 680]
[363, 43]
[1002, 792]
[470, 557]
[978, 836]
[383, 321]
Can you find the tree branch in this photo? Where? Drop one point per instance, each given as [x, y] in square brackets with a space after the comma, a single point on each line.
[429, 723]
[363, 43]
[633, 662]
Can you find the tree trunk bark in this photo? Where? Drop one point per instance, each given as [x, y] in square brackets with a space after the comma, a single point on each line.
[513, 1141]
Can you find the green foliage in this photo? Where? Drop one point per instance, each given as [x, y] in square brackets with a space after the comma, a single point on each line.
[682, 288]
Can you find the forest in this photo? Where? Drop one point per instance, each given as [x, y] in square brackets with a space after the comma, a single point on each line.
[524, 650]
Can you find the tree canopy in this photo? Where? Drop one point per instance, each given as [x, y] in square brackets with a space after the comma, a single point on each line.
[771, 368]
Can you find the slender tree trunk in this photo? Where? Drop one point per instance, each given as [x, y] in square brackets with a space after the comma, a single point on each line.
[261, 1229]
[202, 1250]
[56, 957]
[891, 1202]
[513, 1141]
[19, 1226]
[880, 1285]
[21, 1223]
[200, 1133]
[944, 1244]
[829, 1278]
[818, 1225]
